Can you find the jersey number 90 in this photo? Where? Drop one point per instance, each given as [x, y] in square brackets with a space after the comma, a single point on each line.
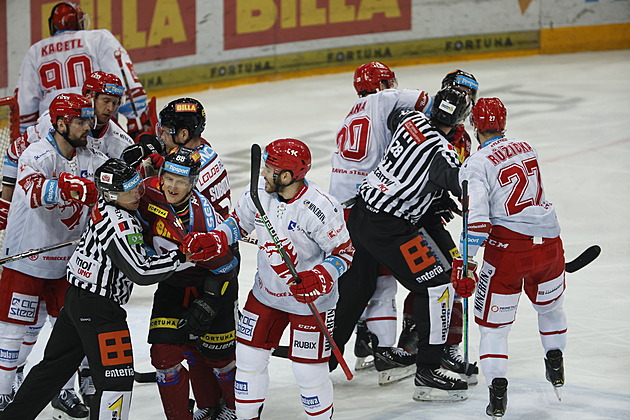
[71, 73]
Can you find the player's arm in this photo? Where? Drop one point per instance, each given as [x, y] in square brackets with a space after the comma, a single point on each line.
[29, 91]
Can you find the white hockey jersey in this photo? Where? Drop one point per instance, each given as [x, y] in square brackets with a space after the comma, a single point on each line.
[363, 137]
[61, 63]
[38, 217]
[505, 189]
[110, 140]
[311, 228]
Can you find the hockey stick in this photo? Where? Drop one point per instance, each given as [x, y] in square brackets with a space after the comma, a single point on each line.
[38, 251]
[144, 377]
[584, 259]
[253, 189]
[465, 268]
[118, 57]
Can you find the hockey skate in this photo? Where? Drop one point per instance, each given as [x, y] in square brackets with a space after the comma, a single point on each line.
[362, 348]
[225, 414]
[68, 406]
[498, 398]
[86, 386]
[408, 339]
[452, 360]
[554, 371]
[392, 363]
[208, 413]
[5, 399]
[17, 381]
[439, 385]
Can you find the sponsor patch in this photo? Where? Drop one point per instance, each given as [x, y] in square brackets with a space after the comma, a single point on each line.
[115, 405]
[219, 338]
[550, 290]
[447, 107]
[247, 325]
[186, 107]
[135, 239]
[502, 309]
[305, 344]
[23, 307]
[440, 306]
[157, 210]
[170, 323]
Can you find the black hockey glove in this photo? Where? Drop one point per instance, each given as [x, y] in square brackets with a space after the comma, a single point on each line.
[147, 145]
[444, 207]
[200, 315]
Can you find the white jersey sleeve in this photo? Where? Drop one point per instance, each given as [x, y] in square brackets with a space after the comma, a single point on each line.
[363, 137]
[505, 188]
[112, 140]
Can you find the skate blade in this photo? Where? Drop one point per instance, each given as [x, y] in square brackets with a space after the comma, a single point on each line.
[558, 391]
[62, 415]
[470, 380]
[425, 393]
[391, 376]
[363, 363]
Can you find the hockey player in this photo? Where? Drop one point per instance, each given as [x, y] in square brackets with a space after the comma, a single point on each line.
[61, 63]
[50, 205]
[362, 138]
[109, 259]
[202, 295]
[509, 214]
[418, 164]
[311, 228]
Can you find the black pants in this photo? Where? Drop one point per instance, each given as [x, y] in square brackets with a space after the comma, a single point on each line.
[382, 239]
[88, 325]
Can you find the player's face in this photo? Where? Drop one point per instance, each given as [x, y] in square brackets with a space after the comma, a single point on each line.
[166, 134]
[78, 131]
[267, 173]
[131, 199]
[176, 188]
[105, 107]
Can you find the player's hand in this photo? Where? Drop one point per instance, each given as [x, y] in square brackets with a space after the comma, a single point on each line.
[314, 283]
[4, 212]
[205, 245]
[444, 207]
[74, 188]
[464, 285]
[202, 311]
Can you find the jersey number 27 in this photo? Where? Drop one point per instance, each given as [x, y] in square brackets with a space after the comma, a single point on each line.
[524, 179]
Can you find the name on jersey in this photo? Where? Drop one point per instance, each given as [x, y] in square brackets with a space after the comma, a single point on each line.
[61, 46]
[357, 108]
[208, 174]
[502, 152]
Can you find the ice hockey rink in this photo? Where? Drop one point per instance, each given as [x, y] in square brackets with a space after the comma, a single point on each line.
[575, 109]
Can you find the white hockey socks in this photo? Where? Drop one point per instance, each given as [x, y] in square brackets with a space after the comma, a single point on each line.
[493, 352]
[11, 337]
[552, 325]
[252, 380]
[380, 313]
[316, 389]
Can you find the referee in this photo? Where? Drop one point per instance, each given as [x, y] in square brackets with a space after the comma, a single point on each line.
[109, 258]
[418, 165]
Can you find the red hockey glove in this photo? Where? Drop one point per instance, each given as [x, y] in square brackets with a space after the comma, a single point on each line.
[74, 188]
[464, 286]
[205, 245]
[4, 212]
[314, 283]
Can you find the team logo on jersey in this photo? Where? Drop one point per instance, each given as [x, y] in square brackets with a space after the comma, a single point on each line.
[186, 107]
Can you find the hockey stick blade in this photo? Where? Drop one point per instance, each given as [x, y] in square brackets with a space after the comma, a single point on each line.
[584, 259]
[144, 377]
[281, 351]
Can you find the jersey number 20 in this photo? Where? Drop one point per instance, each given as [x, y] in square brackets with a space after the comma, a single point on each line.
[352, 139]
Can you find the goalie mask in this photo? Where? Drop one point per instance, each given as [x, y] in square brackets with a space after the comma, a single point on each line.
[185, 113]
[451, 106]
[368, 78]
[119, 182]
[67, 16]
[288, 155]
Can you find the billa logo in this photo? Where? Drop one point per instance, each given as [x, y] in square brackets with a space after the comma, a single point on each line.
[185, 107]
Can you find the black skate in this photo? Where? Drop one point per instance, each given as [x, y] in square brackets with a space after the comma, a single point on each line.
[439, 385]
[208, 413]
[5, 399]
[452, 360]
[554, 371]
[363, 348]
[68, 406]
[392, 363]
[408, 339]
[498, 398]
[226, 414]
[86, 386]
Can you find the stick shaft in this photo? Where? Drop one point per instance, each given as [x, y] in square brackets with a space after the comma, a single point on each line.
[38, 251]
[465, 268]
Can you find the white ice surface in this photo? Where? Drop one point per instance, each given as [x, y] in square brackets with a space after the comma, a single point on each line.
[575, 109]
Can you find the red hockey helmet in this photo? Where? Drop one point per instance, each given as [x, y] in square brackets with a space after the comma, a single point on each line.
[368, 78]
[288, 155]
[69, 106]
[67, 16]
[489, 114]
[101, 82]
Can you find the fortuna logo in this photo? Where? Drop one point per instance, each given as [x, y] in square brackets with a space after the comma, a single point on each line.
[156, 210]
[186, 107]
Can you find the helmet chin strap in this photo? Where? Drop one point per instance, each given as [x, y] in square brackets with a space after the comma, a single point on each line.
[66, 137]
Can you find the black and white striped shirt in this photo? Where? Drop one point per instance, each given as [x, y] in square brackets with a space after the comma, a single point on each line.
[418, 164]
[111, 256]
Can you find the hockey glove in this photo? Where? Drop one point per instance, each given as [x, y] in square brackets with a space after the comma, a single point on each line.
[314, 283]
[74, 188]
[464, 285]
[205, 245]
[444, 207]
[4, 212]
[200, 314]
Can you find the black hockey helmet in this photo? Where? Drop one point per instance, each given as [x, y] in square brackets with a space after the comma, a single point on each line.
[184, 113]
[182, 161]
[115, 176]
[460, 78]
[451, 106]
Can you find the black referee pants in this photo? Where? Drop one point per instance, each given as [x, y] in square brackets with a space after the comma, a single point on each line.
[383, 239]
[88, 325]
